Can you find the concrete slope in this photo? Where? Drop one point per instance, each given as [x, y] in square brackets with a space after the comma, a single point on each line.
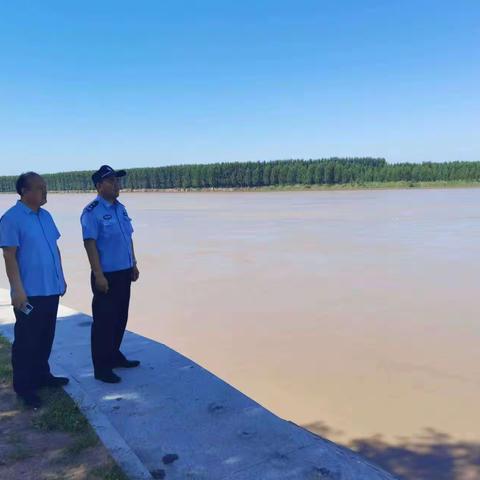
[170, 406]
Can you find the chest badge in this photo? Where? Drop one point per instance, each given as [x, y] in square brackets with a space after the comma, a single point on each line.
[107, 217]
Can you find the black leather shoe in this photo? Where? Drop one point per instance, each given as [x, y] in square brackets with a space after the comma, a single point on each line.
[127, 364]
[107, 376]
[55, 382]
[31, 400]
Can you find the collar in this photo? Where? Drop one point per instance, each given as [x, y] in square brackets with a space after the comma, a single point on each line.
[105, 203]
[26, 209]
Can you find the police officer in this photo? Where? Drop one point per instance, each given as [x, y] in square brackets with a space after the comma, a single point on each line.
[28, 237]
[107, 234]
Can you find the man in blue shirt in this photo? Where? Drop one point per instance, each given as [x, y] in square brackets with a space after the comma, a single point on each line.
[107, 234]
[28, 237]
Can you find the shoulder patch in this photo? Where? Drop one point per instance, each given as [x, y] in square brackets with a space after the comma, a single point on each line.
[90, 207]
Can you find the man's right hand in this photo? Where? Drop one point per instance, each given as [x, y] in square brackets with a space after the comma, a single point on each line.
[19, 300]
[101, 283]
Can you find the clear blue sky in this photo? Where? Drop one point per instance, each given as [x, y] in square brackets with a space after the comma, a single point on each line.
[144, 83]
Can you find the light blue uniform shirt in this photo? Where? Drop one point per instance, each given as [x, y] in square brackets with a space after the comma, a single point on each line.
[35, 235]
[111, 227]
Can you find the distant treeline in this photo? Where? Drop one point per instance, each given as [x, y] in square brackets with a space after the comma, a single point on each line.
[332, 171]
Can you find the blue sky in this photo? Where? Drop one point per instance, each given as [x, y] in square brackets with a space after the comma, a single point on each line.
[150, 83]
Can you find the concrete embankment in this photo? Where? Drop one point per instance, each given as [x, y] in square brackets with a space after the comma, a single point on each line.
[170, 418]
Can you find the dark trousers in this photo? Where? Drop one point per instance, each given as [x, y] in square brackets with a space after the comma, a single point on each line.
[110, 315]
[33, 344]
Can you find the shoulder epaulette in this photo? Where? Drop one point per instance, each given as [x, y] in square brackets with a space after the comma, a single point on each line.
[90, 207]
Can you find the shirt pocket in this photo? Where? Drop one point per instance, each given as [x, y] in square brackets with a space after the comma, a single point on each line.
[48, 227]
[49, 231]
[127, 224]
[109, 228]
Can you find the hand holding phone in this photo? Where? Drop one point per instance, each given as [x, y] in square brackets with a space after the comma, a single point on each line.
[19, 299]
[26, 308]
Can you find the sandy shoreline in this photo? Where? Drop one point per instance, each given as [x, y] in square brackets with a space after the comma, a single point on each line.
[295, 188]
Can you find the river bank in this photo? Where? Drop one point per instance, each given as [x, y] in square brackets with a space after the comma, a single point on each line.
[297, 188]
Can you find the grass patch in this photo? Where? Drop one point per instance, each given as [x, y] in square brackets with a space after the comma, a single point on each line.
[84, 440]
[107, 473]
[19, 450]
[5, 363]
[19, 453]
[403, 184]
[370, 186]
[61, 414]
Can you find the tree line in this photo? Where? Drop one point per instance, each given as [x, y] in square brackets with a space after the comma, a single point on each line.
[331, 171]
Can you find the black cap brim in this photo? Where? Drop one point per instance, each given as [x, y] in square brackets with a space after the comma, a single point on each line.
[116, 173]
[96, 178]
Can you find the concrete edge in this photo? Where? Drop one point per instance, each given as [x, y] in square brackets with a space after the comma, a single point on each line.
[123, 455]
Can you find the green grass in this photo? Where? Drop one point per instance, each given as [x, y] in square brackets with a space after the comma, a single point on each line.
[365, 186]
[302, 187]
[19, 450]
[5, 365]
[107, 473]
[59, 413]
[82, 441]
[19, 453]
[320, 187]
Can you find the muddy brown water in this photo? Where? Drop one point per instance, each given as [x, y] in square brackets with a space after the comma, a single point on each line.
[356, 310]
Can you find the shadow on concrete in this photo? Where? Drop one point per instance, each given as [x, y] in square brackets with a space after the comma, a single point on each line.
[171, 406]
[431, 456]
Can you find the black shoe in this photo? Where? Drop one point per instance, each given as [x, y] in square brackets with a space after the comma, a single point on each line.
[107, 376]
[127, 364]
[55, 382]
[31, 400]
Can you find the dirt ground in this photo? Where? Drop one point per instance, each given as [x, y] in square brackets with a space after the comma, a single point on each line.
[52, 443]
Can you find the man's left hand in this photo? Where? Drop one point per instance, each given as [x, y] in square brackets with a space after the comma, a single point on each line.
[135, 273]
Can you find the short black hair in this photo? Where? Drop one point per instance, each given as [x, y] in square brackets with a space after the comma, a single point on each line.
[23, 181]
